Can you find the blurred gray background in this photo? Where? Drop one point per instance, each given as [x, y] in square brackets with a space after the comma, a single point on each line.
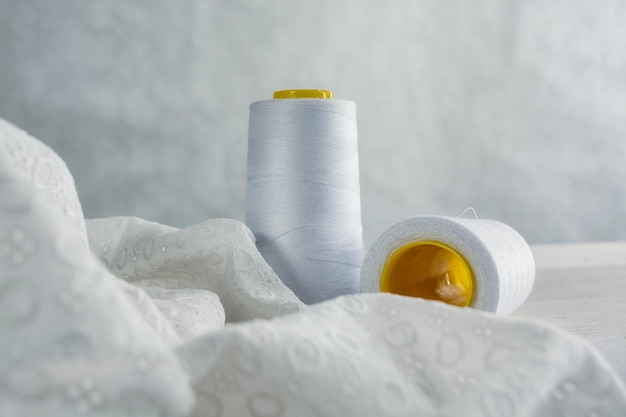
[517, 109]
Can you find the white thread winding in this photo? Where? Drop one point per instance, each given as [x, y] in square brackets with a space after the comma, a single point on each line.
[303, 201]
[501, 261]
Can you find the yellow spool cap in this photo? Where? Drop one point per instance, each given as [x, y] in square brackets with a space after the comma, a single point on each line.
[429, 270]
[303, 94]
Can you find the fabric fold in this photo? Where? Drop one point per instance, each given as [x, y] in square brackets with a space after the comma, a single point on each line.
[218, 255]
[72, 341]
[383, 354]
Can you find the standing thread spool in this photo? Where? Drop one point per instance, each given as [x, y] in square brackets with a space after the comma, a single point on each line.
[303, 198]
[482, 264]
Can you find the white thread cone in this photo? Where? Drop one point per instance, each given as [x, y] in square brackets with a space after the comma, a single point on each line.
[303, 202]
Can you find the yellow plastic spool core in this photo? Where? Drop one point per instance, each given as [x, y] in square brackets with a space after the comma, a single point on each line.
[429, 270]
[303, 94]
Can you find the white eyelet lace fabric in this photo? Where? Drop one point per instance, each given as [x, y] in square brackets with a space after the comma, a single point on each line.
[134, 326]
[45, 171]
[386, 355]
[72, 343]
[218, 255]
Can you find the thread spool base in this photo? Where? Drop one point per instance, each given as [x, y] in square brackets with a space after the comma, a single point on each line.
[429, 270]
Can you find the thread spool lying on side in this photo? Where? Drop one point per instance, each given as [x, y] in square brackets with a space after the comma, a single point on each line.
[303, 198]
[483, 264]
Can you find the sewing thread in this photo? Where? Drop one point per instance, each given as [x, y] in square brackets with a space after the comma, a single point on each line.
[499, 262]
[303, 198]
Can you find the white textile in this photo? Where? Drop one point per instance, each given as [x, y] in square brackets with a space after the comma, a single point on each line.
[141, 332]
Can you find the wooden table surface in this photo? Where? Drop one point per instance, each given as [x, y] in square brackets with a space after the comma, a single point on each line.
[582, 288]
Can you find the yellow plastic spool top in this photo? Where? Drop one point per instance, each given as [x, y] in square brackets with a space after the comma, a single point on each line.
[303, 94]
[429, 270]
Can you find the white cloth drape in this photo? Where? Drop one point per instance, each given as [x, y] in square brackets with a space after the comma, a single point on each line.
[124, 317]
